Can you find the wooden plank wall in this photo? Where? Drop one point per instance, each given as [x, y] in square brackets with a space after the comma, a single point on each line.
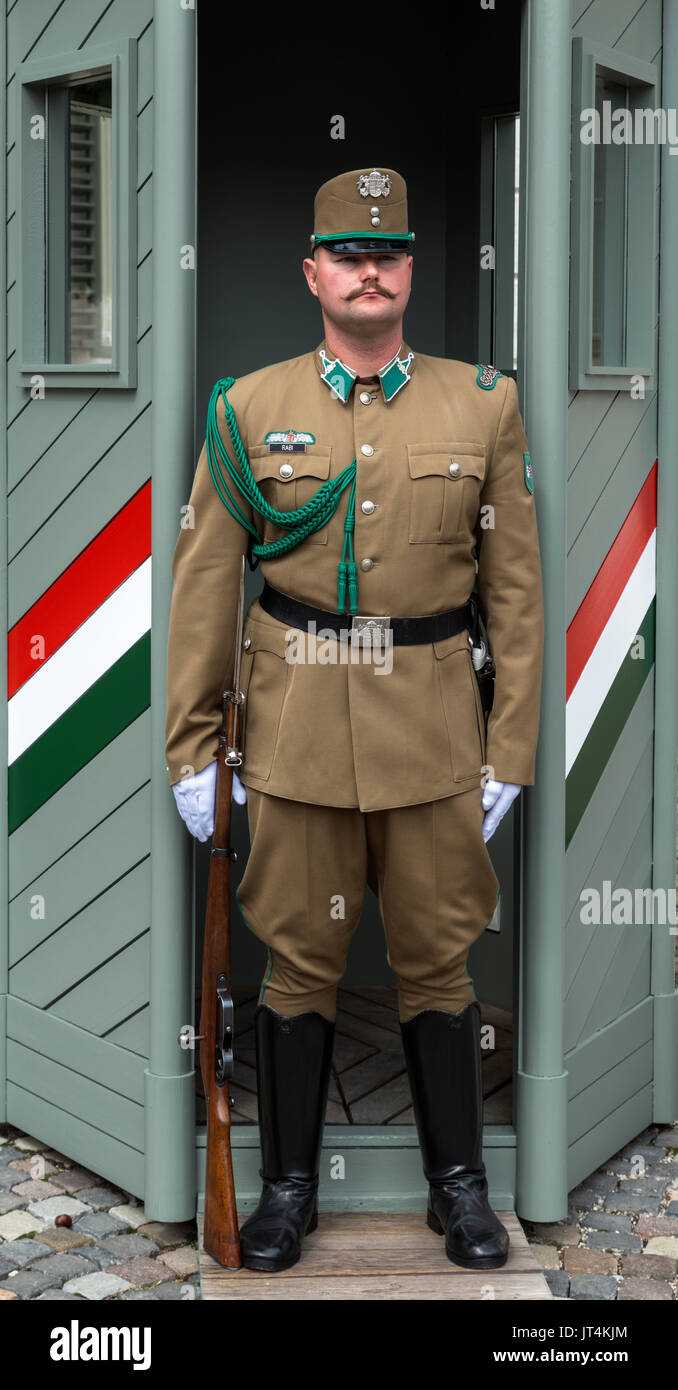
[612, 448]
[79, 965]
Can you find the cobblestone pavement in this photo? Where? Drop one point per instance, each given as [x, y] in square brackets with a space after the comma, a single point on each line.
[618, 1241]
[110, 1251]
[620, 1237]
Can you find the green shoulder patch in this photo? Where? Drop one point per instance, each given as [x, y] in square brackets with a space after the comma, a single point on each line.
[529, 476]
[487, 376]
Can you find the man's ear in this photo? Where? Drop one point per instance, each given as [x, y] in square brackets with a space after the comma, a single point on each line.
[310, 270]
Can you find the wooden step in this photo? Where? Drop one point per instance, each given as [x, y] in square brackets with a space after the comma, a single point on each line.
[380, 1255]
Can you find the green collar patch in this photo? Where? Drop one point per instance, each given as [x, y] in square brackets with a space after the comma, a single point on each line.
[337, 376]
[340, 378]
[529, 476]
[395, 375]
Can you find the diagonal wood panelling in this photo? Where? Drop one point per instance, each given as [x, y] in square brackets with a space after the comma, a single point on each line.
[612, 448]
[79, 866]
[92, 936]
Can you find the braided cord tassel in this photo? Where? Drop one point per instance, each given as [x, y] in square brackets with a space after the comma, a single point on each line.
[302, 521]
[347, 570]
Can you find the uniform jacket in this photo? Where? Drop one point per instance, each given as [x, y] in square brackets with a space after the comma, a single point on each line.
[339, 733]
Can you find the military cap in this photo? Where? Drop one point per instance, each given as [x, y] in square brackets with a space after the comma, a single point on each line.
[364, 210]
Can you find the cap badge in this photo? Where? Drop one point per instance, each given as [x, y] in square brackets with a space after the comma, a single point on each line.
[374, 185]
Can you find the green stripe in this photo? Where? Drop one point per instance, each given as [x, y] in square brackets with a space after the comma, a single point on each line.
[362, 236]
[598, 746]
[113, 702]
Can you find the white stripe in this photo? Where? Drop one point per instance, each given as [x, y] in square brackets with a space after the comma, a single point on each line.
[91, 650]
[611, 649]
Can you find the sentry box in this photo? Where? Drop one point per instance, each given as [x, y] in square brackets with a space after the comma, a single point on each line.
[157, 201]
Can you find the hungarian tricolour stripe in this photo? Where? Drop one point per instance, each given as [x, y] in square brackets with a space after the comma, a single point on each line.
[79, 660]
[610, 651]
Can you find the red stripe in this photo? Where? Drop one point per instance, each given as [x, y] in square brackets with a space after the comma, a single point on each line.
[122, 545]
[599, 601]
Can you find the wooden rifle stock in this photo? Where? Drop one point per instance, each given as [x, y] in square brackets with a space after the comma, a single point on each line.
[220, 1234]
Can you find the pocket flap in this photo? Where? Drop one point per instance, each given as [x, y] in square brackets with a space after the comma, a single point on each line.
[264, 637]
[436, 458]
[314, 463]
[458, 642]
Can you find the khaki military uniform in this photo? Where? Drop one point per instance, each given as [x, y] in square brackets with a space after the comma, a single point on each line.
[443, 490]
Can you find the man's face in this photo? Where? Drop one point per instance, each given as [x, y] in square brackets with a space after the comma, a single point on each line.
[368, 291]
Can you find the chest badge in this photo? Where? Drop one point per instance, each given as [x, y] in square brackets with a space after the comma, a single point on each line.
[529, 476]
[288, 441]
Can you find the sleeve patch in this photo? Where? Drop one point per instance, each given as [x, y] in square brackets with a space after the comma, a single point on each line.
[529, 476]
[487, 376]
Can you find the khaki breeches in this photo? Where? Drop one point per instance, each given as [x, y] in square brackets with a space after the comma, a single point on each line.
[303, 887]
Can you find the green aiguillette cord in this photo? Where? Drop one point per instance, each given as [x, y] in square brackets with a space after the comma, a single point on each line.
[302, 522]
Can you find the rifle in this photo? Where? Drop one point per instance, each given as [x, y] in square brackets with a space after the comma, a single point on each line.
[220, 1235]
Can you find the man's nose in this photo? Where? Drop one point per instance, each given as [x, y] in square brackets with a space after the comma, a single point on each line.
[369, 270]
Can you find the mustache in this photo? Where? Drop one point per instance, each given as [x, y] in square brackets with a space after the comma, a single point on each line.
[377, 289]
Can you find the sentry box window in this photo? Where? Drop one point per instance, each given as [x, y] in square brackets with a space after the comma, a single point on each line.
[616, 131]
[499, 221]
[76, 138]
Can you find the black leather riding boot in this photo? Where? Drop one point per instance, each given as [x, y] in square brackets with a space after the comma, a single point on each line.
[442, 1051]
[294, 1056]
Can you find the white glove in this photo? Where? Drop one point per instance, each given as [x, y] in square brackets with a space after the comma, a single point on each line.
[497, 797]
[195, 799]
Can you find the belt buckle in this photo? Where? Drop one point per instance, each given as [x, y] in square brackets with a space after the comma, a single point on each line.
[374, 626]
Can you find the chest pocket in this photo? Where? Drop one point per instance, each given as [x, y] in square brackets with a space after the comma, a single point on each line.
[445, 486]
[288, 490]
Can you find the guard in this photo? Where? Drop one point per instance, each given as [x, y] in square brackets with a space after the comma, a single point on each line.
[389, 498]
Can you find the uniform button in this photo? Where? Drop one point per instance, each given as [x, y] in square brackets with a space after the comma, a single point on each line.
[286, 470]
[367, 564]
[247, 643]
[367, 450]
[367, 507]
[455, 469]
[365, 397]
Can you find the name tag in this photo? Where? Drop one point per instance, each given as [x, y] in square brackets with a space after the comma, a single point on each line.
[287, 448]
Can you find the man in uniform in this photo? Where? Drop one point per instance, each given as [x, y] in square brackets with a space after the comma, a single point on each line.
[364, 761]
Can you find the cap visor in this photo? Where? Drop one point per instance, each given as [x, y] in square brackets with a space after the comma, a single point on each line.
[363, 245]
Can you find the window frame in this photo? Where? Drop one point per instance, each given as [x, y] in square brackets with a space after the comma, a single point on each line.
[32, 77]
[640, 312]
[496, 215]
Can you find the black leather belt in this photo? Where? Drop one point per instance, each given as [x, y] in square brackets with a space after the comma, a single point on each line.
[406, 632]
